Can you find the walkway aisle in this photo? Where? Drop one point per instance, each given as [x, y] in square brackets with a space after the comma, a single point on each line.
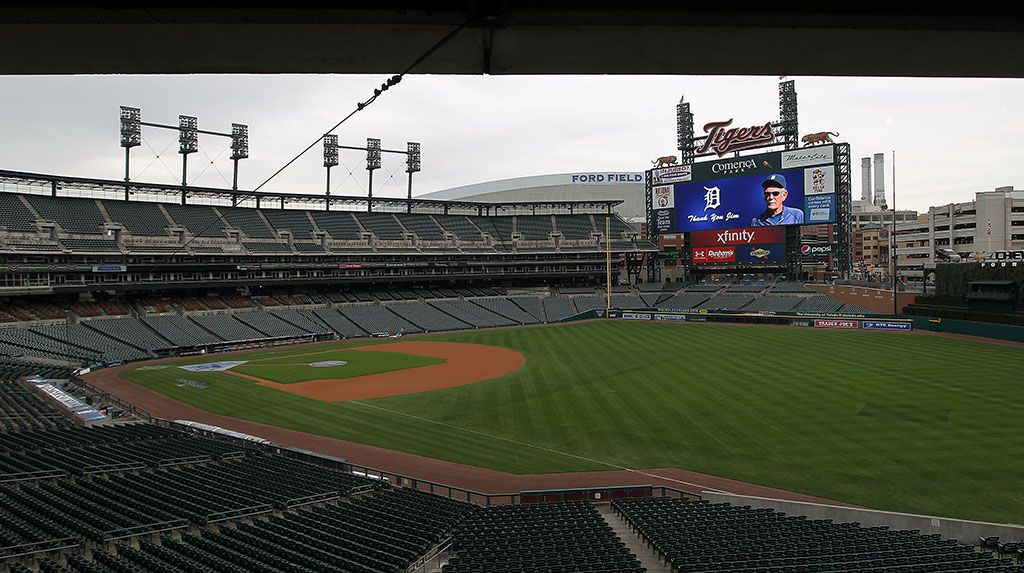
[648, 558]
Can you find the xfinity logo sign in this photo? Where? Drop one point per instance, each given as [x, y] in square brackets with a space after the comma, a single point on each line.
[734, 237]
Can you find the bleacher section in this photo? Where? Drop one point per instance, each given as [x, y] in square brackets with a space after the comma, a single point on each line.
[508, 309]
[563, 536]
[710, 537]
[249, 221]
[138, 217]
[377, 319]
[383, 225]
[683, 301]
[73, 214]
[534, 227]
[179, 330]
[427, 317]
[473, 314]
[819, 303]
[129, 331]
[268, 324]
[339, 224]
[290, 220]
[109, 349]
[14, 214]
[533, 305]
[200, 220]
[725, 302]
[342, 325]
[556, 309]
[773, 303]
[226, 327]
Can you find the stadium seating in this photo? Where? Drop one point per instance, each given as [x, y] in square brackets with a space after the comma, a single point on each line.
[473, 314]
[14, 214]
[377, 319]
[340, 224]
[725, 302]
[507, 308]
[200, 220]
[534, 227]
[179, 330]
[296, 221]
[562, 536]
[819, 303]
[683, 300]
[574, 227]
[719, 537]
[138, 217]
[250, 221]
[268, 324]
[773, 303]
[384, 226]
[226, 328]
[129, 331]
[427, 317]
[556, 309]
[425, 227]
[73, 214]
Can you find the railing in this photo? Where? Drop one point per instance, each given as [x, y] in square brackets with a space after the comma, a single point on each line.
[423, 561]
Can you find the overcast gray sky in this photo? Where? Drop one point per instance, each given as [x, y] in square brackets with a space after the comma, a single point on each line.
[951, 137]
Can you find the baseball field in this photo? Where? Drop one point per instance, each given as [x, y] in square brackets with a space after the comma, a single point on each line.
[895, 421]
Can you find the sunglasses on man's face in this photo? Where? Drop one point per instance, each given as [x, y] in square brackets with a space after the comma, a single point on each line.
[772, 193]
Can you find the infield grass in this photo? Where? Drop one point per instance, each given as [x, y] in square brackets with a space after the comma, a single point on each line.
[894, 421]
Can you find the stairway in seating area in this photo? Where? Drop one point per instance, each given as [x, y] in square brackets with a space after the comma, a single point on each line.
[647, 556]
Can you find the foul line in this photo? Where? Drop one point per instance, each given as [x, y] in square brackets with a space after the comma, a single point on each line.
[542, 448]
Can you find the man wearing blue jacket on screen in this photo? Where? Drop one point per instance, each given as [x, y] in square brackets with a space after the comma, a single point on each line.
[776, 213]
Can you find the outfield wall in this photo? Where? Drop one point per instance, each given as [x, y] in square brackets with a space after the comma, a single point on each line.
[964, 531]
[806, 321]
[971, 328]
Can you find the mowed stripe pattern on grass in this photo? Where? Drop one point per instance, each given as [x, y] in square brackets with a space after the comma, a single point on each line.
[926, 424]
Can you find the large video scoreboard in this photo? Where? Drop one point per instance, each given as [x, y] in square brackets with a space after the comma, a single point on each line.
[796, 187]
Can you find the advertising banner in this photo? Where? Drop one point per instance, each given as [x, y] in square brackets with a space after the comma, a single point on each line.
[816, 250]
[761, 254]
[818, 155]
[820, 180]
[714, 254]
[672, 174]
[820, 209]
[744, 236]
[636, 316]
[671, 317]
[886, 325]
[822, 323]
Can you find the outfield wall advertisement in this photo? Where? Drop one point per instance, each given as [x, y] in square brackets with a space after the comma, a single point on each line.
[796, 187]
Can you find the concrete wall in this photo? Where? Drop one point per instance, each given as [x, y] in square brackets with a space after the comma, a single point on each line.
[876, 300]
[965, 532]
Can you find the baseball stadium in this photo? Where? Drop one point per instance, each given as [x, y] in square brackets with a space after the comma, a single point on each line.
[514, 376]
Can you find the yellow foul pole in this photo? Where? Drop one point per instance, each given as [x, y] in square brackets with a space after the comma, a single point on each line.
[608, 261]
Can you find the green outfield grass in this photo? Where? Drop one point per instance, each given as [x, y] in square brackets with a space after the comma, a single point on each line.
[894, 421]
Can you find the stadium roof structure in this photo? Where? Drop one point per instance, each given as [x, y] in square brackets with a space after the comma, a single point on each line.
[109, 189]
[514, 37]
